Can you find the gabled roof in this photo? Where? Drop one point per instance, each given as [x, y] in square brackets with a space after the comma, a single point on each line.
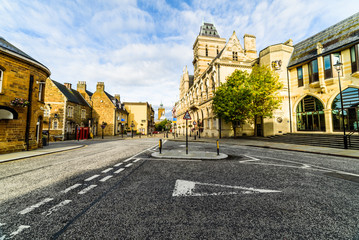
[89, 93]
[71, 95]
[209, 30]
[9, 47]
[332, 38]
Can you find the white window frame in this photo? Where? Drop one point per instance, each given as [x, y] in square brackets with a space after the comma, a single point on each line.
[55, 124]
[70, 111]
[41, 90]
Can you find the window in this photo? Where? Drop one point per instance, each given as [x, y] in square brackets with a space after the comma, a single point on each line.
[310, 115]
[206, 51]
[354, 58]
[235, 56]
[313, 71]
[1, 77]
[83, 114]
[41, 91]
[70, 111]
[55, 124]
[328, 71]
[217, 50]
[300, 76]
[46, 112]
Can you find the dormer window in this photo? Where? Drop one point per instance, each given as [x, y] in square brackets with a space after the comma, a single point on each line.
[235, 56]
[354, 58]
[313, 71]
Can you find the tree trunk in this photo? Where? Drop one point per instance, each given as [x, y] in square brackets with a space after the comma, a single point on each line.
[255, 125]
[234, 125]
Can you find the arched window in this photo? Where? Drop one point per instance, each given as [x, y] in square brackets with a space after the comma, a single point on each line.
[351, 110]
[310, 115]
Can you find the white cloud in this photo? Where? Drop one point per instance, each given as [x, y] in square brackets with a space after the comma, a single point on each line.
[139, 48]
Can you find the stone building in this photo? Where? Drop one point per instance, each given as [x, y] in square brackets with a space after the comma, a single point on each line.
[314, 84]
[161, 113]
[310, 97]
[214, 59]
[108, 109]
[22, 85]
[65, 110]
[141, 117]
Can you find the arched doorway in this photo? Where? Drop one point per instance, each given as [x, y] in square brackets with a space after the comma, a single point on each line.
[351, 110]
[310, 115]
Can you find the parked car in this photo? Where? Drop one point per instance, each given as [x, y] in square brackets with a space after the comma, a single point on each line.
[155, 132]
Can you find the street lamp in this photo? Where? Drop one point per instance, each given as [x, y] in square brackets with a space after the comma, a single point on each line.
[132, 125]
[338, 67]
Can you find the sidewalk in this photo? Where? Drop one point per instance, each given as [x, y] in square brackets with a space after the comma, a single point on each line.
[275, 145]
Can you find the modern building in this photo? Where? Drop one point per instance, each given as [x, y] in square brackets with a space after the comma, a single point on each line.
[65, 111]
[310, 97]
[22, 86]
[140, 118]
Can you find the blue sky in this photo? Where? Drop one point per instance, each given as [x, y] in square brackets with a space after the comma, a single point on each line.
[139, 48]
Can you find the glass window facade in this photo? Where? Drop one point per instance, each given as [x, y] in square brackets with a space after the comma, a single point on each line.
[351, 110]
[310, 115]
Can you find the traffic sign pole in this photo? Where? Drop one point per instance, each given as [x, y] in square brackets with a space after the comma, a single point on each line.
[186, 137]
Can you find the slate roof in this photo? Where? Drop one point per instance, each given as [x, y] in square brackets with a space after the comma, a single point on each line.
[332, 39]
[8, 46]
[209, 30]
[71, 95]
[89, 93]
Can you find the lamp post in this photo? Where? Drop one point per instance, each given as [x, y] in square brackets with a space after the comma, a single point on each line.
[338, 67]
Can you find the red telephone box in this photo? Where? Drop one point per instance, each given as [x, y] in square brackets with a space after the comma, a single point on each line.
[82, 133]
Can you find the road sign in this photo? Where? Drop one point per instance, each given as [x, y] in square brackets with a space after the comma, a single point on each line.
[122, 120]
[194, 123]
[187, 116]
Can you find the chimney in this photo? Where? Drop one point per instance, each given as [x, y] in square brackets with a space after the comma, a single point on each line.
[250, 45]
[100, 86]
[68, 85]
[117, 96]
[81, 86]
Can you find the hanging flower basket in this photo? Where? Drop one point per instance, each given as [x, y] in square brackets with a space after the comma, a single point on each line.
[19, 102]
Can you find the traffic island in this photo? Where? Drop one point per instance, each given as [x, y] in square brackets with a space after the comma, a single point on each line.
[192, 155]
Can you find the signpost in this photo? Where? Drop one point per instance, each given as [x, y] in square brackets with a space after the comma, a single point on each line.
[187, 117]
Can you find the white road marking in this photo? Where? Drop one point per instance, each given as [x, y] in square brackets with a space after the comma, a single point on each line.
[3, 237]
[106, 178]
[138, 159]
[85, 190]
[31, 208]
[287, 166]
[252, 158]
[91, 178]
[119, 170]
[186, 188]
[129, 165]
[2, 224]
[107, 170]
[118, 164]
[71, 188]
[19, 230]
[56, 207]
[128, 159]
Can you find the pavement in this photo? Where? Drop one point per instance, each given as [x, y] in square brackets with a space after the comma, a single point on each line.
[61, 146]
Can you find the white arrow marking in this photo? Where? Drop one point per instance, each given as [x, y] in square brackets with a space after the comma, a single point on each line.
[19, 230]
[186, 188]
[29, 209]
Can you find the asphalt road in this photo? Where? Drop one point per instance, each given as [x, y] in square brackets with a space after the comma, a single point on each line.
[255, 194]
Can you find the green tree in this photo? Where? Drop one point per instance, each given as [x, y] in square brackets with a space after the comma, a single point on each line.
[264, 85]
[245, 97]
[162, 125]
[232, 100]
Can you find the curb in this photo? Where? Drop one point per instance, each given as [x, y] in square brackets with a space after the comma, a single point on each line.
[41, 153]
[198, 156]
